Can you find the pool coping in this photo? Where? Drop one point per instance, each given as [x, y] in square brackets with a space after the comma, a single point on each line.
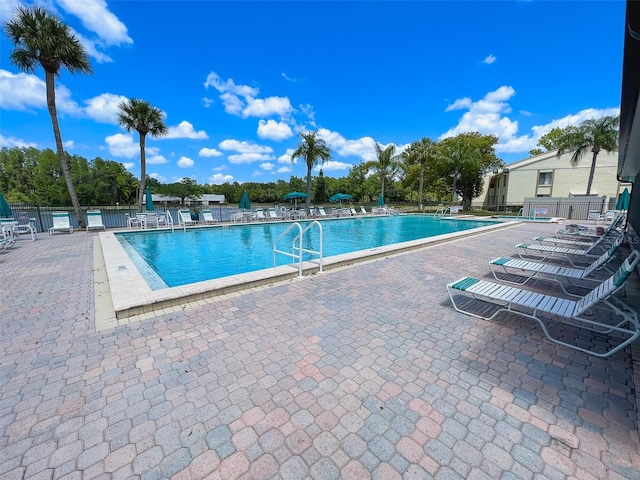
[131, 295]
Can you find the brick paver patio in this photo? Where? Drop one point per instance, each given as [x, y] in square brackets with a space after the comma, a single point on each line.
[363, 372]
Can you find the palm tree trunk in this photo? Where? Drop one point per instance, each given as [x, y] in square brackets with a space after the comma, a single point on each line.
[592, 171]
[382, 187]
[308, 199]
[420, 186]
[66, 170]
[143, 171]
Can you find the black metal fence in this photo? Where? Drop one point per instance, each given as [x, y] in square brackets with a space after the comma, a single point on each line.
[571, 208]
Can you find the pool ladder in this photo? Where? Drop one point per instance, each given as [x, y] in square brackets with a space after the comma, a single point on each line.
[297, 249]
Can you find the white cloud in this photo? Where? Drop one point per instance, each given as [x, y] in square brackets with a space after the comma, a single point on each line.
[185, 130]
[156, 159]
[219, 179]
[158, 177]
[244, 147]
[273, 130]
[208, 101]
[363, 147]
[185, 162]
[332, 165]
[91, 46]
[209, 152]
[249, 157]
[104, 107]
[459, 104]
[284, 170]
[288, 78]
[241, 100]
[129, 165]
[525, 113]
[286, 157]
[489, 60]
[309, 112]
[486, 115]
[221, 168]
[121, 145]
[256, 173]
[15, 142]
[23, 91]
[68, 144]
[267, 166]
[96, 17]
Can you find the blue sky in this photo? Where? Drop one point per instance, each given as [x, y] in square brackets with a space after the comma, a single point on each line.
[238, 81]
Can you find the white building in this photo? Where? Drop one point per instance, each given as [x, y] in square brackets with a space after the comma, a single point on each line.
[548, 175]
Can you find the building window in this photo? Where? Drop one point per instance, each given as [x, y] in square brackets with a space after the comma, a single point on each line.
[542, 195]
[544, 178]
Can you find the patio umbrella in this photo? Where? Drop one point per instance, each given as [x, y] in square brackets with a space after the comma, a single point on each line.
[149, 201]
[623, 200]
[381, 201]
[338, 197]
[5, 211]
[245, 203]
[295, 196]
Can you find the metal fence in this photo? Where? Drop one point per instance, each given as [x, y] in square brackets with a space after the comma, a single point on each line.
[571, 208]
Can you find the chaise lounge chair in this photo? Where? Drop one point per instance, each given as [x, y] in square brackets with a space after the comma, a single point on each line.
[60, 223]
[552, 273]
[94, 220]
[207, 217]
[588, 232]
[547, 251]
[184, 218]
[7, 238]
[572, 312]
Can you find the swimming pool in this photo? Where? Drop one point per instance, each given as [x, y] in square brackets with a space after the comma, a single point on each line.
[168, 259]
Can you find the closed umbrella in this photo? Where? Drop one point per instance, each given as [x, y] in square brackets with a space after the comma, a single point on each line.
[381, 201]
[295, 196]
[5, 211]
[623, 200]
[245, 203]
[149, 200]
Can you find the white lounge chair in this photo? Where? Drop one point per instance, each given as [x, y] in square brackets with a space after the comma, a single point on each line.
[94, 220]
[152, 220]
[184, 218]
[363, 211]
[553, 273]
[259, 215]
[547, 251]
[579, 231]
[353, 212]
[60, 223]
[207, 217]
[26, 224]
[535, 305]
[7, 238]
[272, 214]
[322, 213]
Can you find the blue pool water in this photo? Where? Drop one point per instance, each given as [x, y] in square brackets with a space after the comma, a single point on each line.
[171, 259]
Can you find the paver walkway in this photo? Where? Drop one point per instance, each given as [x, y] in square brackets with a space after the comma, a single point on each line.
[363, 372]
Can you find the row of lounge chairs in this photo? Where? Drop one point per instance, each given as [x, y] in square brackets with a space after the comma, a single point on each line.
[600, 309]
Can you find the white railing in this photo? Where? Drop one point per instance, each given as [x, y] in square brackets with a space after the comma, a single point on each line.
[297, 248]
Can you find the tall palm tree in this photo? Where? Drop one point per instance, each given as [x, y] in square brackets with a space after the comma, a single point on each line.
[593, 135]
[421, 152]
[41, 39]
[312, 150]
[146, 119]
[386, 164]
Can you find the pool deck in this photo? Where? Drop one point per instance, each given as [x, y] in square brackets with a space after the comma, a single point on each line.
[363, 372]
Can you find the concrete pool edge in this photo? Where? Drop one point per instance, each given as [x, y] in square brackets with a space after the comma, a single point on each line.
[131, 295]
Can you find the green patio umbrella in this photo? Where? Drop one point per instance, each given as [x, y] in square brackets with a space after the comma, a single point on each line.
[149, 201]
[338, 197]
[5, 211]
[623, 200]
[295, 196]
[381, 201]
[245, 203]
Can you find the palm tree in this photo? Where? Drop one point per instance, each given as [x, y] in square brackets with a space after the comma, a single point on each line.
[312, 150]
[41, 39]
[592, 135]
[421, 152]
[145, 119]
[386, 164]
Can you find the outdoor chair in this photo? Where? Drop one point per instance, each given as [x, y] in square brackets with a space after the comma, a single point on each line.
[184, 218]
[94, 220]
[259, 215]
[363, 211]
[547, 251]
[588, 232]
[7, 239]
[561, 275]
[60, 223]
[207, 217]
[152, 220]
[601, 304]
[272, 214]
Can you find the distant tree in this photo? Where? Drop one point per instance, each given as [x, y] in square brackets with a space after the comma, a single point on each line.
[535, 151]
[593, 135]
[41, 39]
[386, 164]
[146, 119]
[312, 150]
[185, 188]
[421, 153]
[319, 189]
[553, 139]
